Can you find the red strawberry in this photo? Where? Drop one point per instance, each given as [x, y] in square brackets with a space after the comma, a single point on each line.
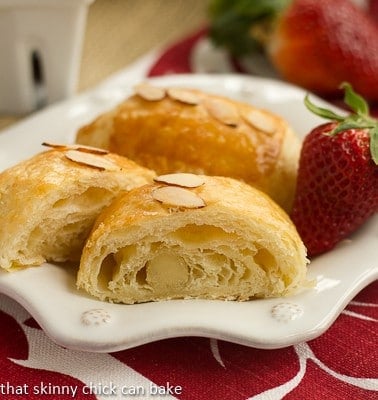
[318, 44]
[337, 187]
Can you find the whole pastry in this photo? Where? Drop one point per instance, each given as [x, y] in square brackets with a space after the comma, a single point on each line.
[182, 130]
[191, 236]
[49, 202]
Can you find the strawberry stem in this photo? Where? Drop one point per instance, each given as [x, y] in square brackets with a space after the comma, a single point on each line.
[359, 119]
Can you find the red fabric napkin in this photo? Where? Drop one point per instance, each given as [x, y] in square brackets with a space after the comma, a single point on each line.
[341, 364]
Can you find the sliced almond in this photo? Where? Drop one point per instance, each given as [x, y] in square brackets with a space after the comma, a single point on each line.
[149, 92]
[55, 145]
[177, 197]
[78, 147]
[260, 120]
[222, 111]
[181, 179]
[91, 160]
[89, 149]
[184, 96]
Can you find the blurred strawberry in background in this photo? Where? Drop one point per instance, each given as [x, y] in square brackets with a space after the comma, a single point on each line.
[316, 44]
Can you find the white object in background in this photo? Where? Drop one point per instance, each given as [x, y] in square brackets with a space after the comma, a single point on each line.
[40, 48]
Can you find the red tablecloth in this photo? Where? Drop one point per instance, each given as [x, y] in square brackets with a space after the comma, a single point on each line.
[341, 364]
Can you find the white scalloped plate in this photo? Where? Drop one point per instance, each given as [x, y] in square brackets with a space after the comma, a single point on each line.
[75, 320]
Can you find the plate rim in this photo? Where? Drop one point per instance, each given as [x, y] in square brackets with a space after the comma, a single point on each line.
[66, 338]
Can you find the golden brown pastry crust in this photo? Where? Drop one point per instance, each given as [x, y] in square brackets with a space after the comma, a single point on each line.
[48, 204]
[239, 245]
[169, 135]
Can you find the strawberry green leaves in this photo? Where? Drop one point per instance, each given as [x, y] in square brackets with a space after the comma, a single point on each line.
[359, 118]
[322, 112]
[356, 102]
[231, 23]
[374, 144]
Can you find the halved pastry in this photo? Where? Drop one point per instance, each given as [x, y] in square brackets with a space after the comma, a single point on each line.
[182, 130]
[192, 236]
[49, 203]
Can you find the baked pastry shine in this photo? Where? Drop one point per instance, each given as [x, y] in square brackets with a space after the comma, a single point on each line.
[48, 204]
[182, 130]
[215, 239]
